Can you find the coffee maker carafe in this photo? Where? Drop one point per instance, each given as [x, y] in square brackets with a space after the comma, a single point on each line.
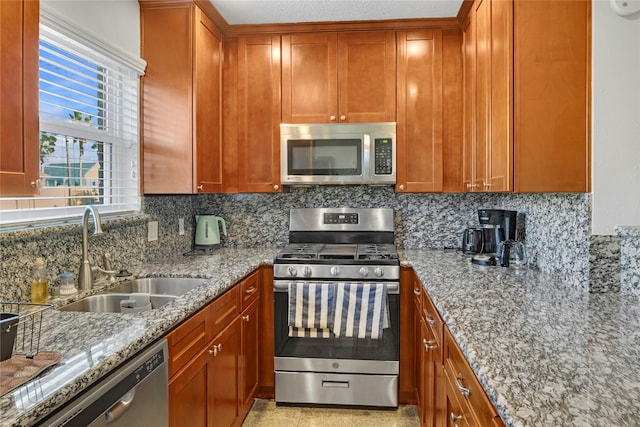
[497, 226]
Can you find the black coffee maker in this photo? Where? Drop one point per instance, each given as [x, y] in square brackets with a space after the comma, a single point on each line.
[497, 226]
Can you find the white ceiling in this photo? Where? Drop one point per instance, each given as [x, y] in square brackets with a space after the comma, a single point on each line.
[237, 12]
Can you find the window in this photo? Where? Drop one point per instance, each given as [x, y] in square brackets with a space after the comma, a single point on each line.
[89, 150]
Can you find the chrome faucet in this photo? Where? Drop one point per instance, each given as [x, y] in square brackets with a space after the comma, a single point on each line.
[85, 279]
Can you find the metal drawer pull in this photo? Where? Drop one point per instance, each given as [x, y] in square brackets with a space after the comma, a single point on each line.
[216, 349]
[428, 345]
[416, 291]
[430, 320]
[336, 384]
[465, 391]
[250, 290]
[453, 417]
[245, 318]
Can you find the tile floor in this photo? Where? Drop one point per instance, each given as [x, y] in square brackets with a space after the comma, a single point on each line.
[265, 413]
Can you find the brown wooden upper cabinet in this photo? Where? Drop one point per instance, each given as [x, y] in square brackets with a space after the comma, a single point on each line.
[339, 77]
[182, 135]
[526, 81]
[419, 124]
[487, 108]
[552, 89]
[19, 149]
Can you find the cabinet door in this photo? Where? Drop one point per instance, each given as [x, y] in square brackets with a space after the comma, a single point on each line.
[367, 77]
[167, 136]
[259, 114]
[499, 170]
[309, 78]
[469, 100]
[223, 376]
[249, 358]
[419, 124]
[482, 93]
[430, 351]
[19, 147]
[207, 130]
[552, 92]
[188, 393]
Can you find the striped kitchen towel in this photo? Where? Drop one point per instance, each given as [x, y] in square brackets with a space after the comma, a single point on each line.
[311, 309]
[361, 310]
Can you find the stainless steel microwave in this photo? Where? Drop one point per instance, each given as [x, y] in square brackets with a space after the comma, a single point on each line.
[345, 153]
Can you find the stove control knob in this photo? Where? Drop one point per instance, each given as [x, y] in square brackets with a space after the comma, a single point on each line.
[306, 271]
[292, 271]
[364, 271]
[378, 272]
[334, 271]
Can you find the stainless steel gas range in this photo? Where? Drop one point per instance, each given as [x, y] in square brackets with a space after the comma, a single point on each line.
[336, 309]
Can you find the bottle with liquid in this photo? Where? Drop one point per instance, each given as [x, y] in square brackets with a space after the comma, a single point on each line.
[39, 283]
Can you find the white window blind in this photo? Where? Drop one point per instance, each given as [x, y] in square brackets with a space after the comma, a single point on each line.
[89, 145]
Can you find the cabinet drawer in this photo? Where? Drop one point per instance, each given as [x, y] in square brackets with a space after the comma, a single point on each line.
[187, 340]
[432, 317]
[250, 289]
[224, 309]
[460, 374]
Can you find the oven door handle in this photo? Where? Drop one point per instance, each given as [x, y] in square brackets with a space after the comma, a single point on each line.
[283, 286]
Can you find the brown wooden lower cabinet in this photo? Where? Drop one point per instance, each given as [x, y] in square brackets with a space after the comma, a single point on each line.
[441, 372]
[217, 382]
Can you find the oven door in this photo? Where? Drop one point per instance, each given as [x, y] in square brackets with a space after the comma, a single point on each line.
[339, 355]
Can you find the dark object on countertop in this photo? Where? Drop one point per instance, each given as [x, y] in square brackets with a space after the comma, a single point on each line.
[123, 273]
[483, 259]
[472, 241]
[8, 330]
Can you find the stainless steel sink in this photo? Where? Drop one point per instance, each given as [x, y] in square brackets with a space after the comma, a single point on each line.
[110, 303]
[159, 285]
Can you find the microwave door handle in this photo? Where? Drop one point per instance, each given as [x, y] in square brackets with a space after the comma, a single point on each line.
[366, 156]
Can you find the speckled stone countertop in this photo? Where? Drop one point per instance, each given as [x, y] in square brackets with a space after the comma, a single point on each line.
[546, 353]
[92, 344]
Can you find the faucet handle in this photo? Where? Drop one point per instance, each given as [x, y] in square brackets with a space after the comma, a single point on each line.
[106, 261]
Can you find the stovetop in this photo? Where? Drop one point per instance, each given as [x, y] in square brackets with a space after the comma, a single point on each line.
[340, 253]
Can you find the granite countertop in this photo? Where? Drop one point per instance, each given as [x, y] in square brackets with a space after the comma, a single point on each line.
[92, 344]
[547, 354]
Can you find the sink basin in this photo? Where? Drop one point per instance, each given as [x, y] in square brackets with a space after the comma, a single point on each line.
[110, 303]
[159, 285]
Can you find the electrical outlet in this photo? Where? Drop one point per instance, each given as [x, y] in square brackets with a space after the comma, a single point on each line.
[153, 231]
[181, 226]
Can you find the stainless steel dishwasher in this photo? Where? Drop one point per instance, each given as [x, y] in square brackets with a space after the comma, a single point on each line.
[135, 394]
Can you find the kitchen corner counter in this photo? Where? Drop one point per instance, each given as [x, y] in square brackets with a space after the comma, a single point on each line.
[93, 344]
[546, 353]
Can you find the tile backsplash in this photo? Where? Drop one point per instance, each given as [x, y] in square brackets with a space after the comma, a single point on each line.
[555, 228]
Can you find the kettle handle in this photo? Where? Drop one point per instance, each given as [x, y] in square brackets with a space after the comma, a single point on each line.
[224, 225]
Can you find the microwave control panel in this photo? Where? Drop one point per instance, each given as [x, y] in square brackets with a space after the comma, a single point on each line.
[383, 156]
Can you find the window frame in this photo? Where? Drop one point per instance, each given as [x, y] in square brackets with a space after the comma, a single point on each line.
[120, 148]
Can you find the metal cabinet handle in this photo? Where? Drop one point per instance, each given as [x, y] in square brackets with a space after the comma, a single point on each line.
[332, 118]
[215, 349]
[465, 391]
[453, 417]
[416, 291]
[200, 187]
[245, 318]
[343, 117]
[250, 290]
[469, 186]
[430, 320]
[428, 345]
[276, 187]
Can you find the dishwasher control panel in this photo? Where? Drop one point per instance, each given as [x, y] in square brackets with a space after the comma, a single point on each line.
[149, 365]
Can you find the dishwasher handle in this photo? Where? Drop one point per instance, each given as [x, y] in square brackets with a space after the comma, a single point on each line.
[120, 407]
